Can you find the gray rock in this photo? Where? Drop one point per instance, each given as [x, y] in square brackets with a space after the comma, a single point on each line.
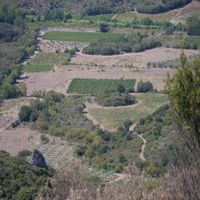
[37, 159]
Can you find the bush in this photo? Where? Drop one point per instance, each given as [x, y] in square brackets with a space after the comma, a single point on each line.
[44, 139]
[193, 26]
[103, 27]
[115, 99]
[127, 124]
[24, 153]
[144, 86]
[121, 89]
[25, 113]
[24, 194]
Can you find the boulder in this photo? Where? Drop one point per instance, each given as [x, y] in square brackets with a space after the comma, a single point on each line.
[37, 159]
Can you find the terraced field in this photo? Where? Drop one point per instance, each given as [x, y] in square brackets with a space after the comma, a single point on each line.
[113, 117]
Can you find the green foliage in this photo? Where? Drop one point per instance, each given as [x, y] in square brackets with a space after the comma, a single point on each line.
[55, 114]
[7, 81]
[17, 43]
[95, 86]
[24, 194]
[144, 86]
[158, 129]
[115, 99]
[130, 43]
[19, 180]
[24, 154]
[193, 26]
[184, 94]
[25, 113]
[153, 7]
[103, 28]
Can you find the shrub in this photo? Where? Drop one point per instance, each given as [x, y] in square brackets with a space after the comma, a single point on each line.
[127, 124]
[121, 89]
[193, 26]
[25, 113]
[144, 86]
[103, 27]
[24, 153]
[24, 194]
[44, 139]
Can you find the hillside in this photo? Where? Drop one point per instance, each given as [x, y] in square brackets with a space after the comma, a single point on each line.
[95, 7]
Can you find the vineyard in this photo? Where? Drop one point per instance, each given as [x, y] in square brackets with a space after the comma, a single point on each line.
[94, 86]
[112, 118]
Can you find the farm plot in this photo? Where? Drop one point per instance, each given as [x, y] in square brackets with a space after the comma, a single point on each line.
[94, 86]
[49, 58]
[80, 36]
[112, 118]
[37, 68]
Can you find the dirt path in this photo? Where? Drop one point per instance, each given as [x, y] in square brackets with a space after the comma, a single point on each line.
[141, 155]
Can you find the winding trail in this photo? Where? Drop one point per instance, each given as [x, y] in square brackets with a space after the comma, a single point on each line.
[141, 156]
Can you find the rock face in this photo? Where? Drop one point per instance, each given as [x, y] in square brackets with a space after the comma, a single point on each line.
[37, 159]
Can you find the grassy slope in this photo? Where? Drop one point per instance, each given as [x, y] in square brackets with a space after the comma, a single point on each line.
[180, 14]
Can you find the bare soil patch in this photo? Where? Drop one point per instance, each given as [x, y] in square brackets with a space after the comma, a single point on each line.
[132, 59]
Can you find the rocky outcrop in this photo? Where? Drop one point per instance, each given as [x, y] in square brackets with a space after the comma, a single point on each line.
[37, 159]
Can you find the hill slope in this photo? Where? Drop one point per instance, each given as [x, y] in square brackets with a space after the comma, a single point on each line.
[95, 7]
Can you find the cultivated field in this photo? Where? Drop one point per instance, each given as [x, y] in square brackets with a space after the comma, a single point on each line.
[37, 68]
[80, 36]
[112, 117]
[94, 86]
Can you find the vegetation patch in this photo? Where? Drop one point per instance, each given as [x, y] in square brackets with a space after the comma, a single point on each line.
[157, 129]
[37, 68]
[19, 180]
[131, 43]
[118, 97]
[95, 86]
[81, 36]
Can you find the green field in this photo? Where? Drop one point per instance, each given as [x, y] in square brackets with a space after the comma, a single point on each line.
[81, 36]
[37, 68]
[112, 118]
[95, 86]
